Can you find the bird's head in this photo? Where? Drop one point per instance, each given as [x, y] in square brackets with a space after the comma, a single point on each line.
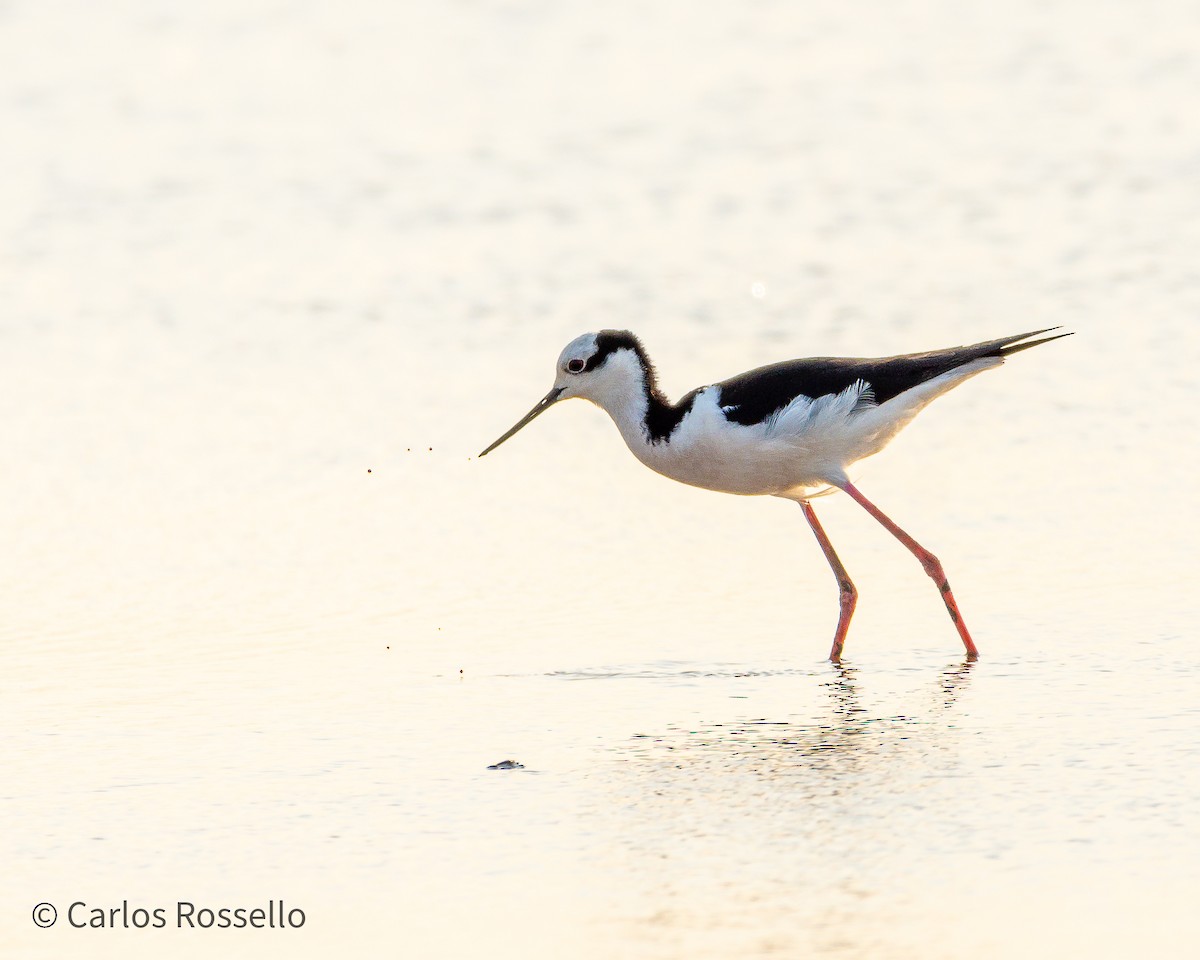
[603, 367]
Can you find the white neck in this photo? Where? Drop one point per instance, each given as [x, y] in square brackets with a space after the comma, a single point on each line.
[623, 393]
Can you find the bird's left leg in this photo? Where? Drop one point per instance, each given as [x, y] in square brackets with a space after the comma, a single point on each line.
[849, 594]
[929, 562]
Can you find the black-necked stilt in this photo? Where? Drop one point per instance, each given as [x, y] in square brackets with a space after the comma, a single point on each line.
[786, 430]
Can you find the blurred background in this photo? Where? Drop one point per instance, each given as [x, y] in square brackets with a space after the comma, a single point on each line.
[273, 273]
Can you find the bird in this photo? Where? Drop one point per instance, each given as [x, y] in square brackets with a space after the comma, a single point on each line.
[790, 429]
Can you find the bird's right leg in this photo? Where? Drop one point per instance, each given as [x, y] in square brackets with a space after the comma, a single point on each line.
[849, 595]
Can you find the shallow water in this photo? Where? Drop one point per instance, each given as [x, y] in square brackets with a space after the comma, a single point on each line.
[274, 274]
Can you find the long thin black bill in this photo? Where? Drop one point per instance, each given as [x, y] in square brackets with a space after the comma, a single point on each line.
[542, 406]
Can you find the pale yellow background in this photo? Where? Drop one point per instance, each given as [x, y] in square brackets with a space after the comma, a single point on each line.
[259, 641]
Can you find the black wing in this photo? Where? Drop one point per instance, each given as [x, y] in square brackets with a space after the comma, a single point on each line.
[753, 396]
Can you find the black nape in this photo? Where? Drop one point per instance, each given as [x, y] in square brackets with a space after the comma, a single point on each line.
[662, 416]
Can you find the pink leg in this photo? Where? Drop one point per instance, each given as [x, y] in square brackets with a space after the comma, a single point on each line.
[849, 594]
[932, 565]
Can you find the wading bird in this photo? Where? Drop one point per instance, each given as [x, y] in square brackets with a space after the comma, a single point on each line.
[786, 430]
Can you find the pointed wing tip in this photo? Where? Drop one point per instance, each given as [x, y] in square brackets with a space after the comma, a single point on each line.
[1023, 343]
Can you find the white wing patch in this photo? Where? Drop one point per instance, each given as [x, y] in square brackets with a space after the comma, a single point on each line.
[804, 414]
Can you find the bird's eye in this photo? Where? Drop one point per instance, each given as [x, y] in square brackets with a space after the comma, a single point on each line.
[575, 366]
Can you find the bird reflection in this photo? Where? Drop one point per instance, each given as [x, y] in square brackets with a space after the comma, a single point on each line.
[844, 691]
[954, 680]
[844, 738]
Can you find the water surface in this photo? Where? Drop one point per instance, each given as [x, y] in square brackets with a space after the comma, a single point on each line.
[274, 274]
